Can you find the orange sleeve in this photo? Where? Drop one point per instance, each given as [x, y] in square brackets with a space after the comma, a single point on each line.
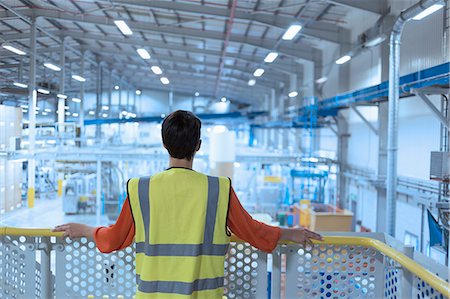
[260, 235]
[116, 236]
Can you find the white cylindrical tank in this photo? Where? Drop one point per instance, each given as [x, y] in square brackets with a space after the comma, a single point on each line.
[222, 151]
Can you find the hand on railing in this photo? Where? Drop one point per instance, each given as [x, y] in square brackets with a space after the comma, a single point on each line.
[300, 235]
[75, 230]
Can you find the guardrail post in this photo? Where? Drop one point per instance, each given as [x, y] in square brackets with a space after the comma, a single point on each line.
[46, 273]
[407, 277]
[276, 272]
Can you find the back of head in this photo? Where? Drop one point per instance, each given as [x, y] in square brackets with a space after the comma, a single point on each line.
[181, 134]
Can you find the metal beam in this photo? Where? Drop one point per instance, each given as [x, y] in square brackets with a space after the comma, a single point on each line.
[373, 6]
[444, 121]
[368, 123]
[318, 30]
[306, 52]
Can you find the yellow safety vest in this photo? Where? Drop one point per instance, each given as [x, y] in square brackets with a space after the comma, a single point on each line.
[181, 235]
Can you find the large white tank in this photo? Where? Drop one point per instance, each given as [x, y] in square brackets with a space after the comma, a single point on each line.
[222, 151]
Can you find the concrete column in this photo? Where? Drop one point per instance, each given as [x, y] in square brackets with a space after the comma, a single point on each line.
[343, 136]
[170, 101]
[32, 102]
[382, 163]
[62, 78]
[266, 132]
[98, 192]
[81, 114]
[98, 106]
[110, 87]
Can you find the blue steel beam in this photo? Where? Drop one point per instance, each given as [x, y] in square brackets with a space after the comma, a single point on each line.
[158, 119]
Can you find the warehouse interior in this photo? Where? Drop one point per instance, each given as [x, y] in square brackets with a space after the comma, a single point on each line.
[328, 114]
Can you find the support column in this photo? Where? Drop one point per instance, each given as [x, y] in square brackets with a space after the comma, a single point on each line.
[343, 136]
[98, 192]
[382, 163]
[98, 101]
[62, 78]
[170, 101]
[273, 116]
[32, 102]
[81, 114]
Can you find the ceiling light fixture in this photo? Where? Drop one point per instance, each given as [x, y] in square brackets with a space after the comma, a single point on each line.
[375, 41]
[143, 53]
[105, 115]
[43, 91]
[123, 27]
[14, 49]
[291, 32]
[138, 92]
[48, 110]
[258, 72]
[322, 80]
[343, 59]
[251, 82]
[76, 100]
[75, 114]
[61, 96]
[164, 80]
[196, 93]
[271, 57]
[430, 10]
[78, 78]
[293, 94]
[156, 70]
[52, 66]
[21, 85]
[91, 112]
[223, 99]
[106, 108]
[116, 87]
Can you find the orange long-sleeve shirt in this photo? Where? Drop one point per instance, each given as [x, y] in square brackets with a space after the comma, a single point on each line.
[240, 223]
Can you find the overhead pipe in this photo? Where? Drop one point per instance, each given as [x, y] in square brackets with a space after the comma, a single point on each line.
[394, 85]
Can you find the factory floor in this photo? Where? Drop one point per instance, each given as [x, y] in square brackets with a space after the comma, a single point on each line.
[47, 214]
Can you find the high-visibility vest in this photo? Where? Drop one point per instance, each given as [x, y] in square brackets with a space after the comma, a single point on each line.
[181, 235]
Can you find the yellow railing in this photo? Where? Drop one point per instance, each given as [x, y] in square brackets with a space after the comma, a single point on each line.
[434, 281]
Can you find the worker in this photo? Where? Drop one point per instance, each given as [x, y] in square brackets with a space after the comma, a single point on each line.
[181, 222]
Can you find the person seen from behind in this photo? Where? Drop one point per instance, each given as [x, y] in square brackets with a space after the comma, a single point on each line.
[181, 222]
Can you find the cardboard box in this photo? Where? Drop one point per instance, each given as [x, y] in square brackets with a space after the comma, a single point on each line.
[327, 218]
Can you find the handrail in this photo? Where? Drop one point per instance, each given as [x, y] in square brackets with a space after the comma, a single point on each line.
[433, 280]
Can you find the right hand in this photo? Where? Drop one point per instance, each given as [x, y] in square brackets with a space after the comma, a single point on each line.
[300, 235]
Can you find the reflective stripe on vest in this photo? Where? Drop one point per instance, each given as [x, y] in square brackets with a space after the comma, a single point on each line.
[171, 267]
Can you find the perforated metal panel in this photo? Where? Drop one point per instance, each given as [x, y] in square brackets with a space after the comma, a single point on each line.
[17, 261]
[81, 271]
[423, 290]
[245, 272]
[329, 271]
[392, 282]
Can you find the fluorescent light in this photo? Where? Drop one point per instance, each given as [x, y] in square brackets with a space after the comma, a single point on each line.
[52, 66]
[291, 32]
[293, 94]
[143, 53]
[343, 59]
[24, 111]
[164, 80]
[138, 92]
[44, 113]
[322, 80]
[66, 107]
[24, 106]
[375, 41]
[116, 87]
[156, 70]
[123, 27]
[78, 78]
[251, 82]
[36, 112]
[105, 115]
[196, 93]
[51, 141]
[43, 91]
[258, 73]
[21, 85]
[76, 100]
[67, 113]
[13, 49]
[223, 99]
[61, 96]
[48, 110]
[428, 11]
[75, 114]
[106, 108]
[92, 112]
[271, 57]
[124, 112]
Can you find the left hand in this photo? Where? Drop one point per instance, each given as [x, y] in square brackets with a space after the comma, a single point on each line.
[75, 230]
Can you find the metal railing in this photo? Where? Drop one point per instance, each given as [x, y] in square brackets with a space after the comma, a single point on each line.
[38, 263]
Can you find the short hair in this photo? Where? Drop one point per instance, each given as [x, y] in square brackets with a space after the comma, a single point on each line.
[181, 134]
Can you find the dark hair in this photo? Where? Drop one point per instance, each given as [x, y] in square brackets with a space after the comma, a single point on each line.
[181, 134]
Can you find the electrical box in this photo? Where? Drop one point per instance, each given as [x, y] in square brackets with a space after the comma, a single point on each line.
[440, 166]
